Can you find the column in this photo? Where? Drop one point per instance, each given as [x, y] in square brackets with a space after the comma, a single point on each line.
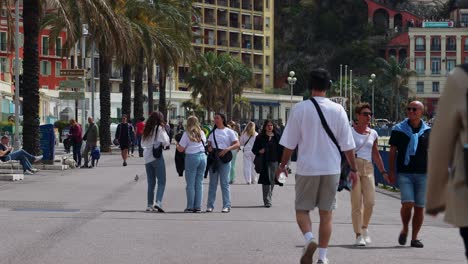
[411, 53]
[459, 50]
[428, 55]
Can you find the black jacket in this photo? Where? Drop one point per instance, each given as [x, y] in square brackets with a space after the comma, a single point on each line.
[260, 143]
[179, 156]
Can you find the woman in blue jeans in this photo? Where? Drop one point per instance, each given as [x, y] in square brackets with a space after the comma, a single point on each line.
[221, 141]
[192, 143]
[154, 135]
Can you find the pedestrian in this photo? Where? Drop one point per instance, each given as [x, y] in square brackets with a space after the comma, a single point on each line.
[363, 194]
[124, 136]
[193, 144]
[91, 137]
[267, 145]
[155, 137]
[76, 135]
[140, 126]
[318, 163]
[409, 143]
[7, 153]
[232, 174]
[220, 143]
[133, 140]
[447, 186]
[247, 141]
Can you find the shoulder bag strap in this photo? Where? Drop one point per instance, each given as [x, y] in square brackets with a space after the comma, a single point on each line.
[363, 143]
[325, 124]
[247, 141]
[214, 138]
[156, 134]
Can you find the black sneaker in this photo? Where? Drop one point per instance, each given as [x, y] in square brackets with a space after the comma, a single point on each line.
[124, 163]
[417, 243]
[402, 239]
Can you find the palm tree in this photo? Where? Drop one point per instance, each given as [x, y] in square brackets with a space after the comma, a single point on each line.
[127, 89]
[397, 75]
[241, 108]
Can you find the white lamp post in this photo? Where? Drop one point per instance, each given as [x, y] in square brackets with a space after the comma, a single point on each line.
[291, 80]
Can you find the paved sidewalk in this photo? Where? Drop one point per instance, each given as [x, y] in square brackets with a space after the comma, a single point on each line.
[96, 216]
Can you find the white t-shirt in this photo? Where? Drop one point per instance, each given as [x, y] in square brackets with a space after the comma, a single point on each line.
[225, 137]
[317, 154]
[365, 144]
[192, 147]
[247, 145]
[151, 142]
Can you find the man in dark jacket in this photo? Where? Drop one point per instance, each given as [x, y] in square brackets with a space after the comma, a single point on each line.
[91, 137]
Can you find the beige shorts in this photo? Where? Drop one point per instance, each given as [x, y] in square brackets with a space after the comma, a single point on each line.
[316, 191]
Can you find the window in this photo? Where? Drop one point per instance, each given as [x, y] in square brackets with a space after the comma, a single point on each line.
[45, 45]
[420, 65]
[435, 87]
[45, 68]
[464, 19]
[451, 64]
[435, 44]
[267, 80]
[3, 41]
[267, 42]
[435, 65]
[420, 44]
[3, 65]
[451, 44]
[420, 87]
[267, 60]
[58, 47]
[3, 12]
[58, 67]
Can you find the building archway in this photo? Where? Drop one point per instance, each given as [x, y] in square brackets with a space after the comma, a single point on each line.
[381, 19]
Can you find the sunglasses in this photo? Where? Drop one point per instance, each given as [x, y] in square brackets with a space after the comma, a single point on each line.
[367, 114]
[412, 109]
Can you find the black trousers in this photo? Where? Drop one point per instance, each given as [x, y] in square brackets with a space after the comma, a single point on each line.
[464, 234]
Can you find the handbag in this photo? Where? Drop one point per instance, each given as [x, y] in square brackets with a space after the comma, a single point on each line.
[345, 168]
[224, 159]
[157, 152]
[258, 163]
[116, 141]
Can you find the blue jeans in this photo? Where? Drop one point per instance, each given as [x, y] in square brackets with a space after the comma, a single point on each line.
[413, 188]
[156, 170]
[222, 173]
[77, 152]
[23, 157]
[195, 165]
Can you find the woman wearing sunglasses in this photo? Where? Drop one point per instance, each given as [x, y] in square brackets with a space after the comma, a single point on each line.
[363, 193]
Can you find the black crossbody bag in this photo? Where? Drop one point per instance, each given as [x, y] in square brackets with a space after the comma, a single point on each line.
[345, 168]
[157, 152]
[227, 157]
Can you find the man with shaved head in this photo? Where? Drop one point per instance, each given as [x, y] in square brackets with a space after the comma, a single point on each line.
[409, 144]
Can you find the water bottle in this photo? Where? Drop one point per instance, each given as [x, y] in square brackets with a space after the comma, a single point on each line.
[282, 178]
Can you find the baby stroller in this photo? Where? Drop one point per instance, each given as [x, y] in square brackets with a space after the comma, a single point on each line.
[95, 156]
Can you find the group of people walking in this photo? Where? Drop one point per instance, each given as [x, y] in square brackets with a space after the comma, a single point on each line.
[91, 137]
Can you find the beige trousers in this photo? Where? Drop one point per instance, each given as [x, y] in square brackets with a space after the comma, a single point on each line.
[363, 195]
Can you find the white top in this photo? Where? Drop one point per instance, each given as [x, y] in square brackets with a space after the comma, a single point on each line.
[151, 142]
[192, 147]
[225, 137]
[364, 144]
[243, 140]
[317, 154]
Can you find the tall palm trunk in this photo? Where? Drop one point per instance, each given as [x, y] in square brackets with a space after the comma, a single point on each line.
[138, 89]
[105, 99]
[150, 68]
[31, 76]
[127, 89]
[162, 91]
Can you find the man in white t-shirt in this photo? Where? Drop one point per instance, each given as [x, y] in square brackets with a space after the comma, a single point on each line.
[318, 164]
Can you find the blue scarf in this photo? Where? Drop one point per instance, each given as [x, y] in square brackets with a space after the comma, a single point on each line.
[405, 128]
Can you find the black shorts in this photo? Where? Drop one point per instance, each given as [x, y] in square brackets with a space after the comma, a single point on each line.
[123, 146]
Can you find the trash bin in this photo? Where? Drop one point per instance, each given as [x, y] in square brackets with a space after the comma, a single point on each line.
[47, 143]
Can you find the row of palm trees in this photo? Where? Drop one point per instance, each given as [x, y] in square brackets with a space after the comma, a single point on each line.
[136, 32]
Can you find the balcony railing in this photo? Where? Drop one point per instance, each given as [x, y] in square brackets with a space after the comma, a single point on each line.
[258, 8]
[435, 47]
[209, 20]
[234, 24]
[222, 42]
[222, 23]
[259, 66]
[420, 48]
[234, 4]
[247, 6]
[258, 27]
[222, 2]
[258, 46]
[211, 2]
[247, 26]
[247, 46]
[451, 47]
[3, 46]
[234, 44]
[435, 71]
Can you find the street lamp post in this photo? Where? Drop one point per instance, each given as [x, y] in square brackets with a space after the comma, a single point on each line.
[85, 33]
[291, 80]
[371, 82]
[17, 143]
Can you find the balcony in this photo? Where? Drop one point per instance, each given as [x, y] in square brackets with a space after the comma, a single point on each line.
[234, 24]
[234, 44]
[435, 47]
[247, 26]
[451, 47]
[222, 23]
[234, 4]
[210, 2]
[222, 2]
[258, 67]
[209, 20]
[420, 48]
[222, 42]
[258, 46]
[3, 46]
[247, 45]
[435, 71]
[258, 27]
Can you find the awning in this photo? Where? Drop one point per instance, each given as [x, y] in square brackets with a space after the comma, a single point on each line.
[274, 104]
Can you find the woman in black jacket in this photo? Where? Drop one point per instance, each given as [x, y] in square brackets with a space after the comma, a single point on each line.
[267, 145]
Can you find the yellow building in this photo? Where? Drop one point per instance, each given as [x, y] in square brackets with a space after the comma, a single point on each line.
[242, 28]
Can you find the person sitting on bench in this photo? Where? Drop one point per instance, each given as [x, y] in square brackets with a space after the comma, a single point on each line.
[7, 154]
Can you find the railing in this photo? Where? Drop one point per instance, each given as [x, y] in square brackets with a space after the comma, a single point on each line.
[258, 8]
[222, 42]
[3, 46]
[234, 24]
[258, 27]
[258, 46]
[209, 20]
[222, 2]
[234, 4]
[211, 2]
[420, 48]
[247, 46]
[234, 44]
[247, 26]
[259, 66]
[435, 48]
[451, 47]
[222, 23]
[435, 71]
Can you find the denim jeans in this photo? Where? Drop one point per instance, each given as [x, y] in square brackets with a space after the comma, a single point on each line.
[77, 153]
[413, 188]
[23, 157]
[222, 173]
[195, 165]
[156, 170]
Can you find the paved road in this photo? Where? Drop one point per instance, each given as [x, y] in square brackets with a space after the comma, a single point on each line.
[96, 216]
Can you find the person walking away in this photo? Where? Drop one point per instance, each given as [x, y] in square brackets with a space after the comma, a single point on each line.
[154, 137]
[319, 161]
[267, 145]
[124, 135]
[363, 194]
[192, 143]
[7, 153]
[247, 141]
[140, 126]
[232, 174]
[220, 143]
[91, 137]
[409, 143]
[76, 135]
[447, 175]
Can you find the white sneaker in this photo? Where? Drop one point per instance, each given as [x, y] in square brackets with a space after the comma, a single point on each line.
[149, 209]
[28, 172]
[38, 158]
[365, 235]
[360, 241]
[322, 261]
[34, 170]
[308, 252]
